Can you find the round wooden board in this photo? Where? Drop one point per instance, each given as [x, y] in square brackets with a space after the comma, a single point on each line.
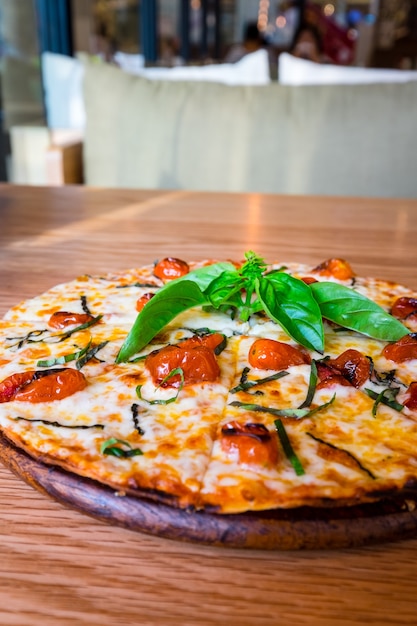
[274, 530]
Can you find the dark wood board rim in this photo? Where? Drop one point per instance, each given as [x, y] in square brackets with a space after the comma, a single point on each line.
[285, 530]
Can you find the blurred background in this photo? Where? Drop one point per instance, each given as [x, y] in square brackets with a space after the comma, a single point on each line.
[366, 33]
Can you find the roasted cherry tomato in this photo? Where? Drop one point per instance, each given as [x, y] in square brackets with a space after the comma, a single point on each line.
[338, 268]
[405, 349]
[42, 386]
[268, 354]
[309, 280]
[249, 444]
[170, 268]
[62, 319]
[140, 303]
[411, 397]
[198, 364]
[210, 340]
[329, 377]
[354, 366]
[404, 307]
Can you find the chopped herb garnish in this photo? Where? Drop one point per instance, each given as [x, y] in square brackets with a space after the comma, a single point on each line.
[66, 358]
[84, 305]
[387, 397]
[382, 378]
[200, 331]
[288, 449]
[296, 413]
[135, 416]
[221, 346]
[89, 354]
[113, 447]
[175, 372]
[21, 341]
[311, 386]
[68, 333]
[59, 425]
[143, 285]
[248, 384]
[349, 454]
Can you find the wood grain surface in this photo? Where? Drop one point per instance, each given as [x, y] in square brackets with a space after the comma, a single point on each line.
[61, 567]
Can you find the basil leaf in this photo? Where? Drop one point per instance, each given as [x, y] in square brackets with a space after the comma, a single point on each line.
[254, 265]
[289, 302]
[350, 309]
[203, 276]
[225, 289]
[167, 303]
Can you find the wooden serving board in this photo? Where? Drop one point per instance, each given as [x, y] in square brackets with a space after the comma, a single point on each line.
[303, 528]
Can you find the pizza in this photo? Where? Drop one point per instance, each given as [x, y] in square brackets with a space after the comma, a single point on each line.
[219, 386]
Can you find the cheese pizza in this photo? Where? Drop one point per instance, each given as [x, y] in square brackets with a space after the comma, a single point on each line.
[219, 386]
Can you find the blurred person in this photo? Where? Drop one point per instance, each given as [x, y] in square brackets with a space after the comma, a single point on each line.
[253, 40]
[307, 44]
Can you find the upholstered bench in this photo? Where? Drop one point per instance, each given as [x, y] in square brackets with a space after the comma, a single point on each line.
[320, 139]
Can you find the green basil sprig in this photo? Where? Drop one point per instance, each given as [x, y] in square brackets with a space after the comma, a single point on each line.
[297, 307]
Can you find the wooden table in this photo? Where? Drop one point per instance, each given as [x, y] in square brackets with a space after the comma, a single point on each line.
[61, 567]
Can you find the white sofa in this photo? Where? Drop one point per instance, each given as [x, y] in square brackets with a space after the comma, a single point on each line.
[355, 140]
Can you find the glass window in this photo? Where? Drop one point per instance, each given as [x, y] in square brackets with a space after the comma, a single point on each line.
[20, 71]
